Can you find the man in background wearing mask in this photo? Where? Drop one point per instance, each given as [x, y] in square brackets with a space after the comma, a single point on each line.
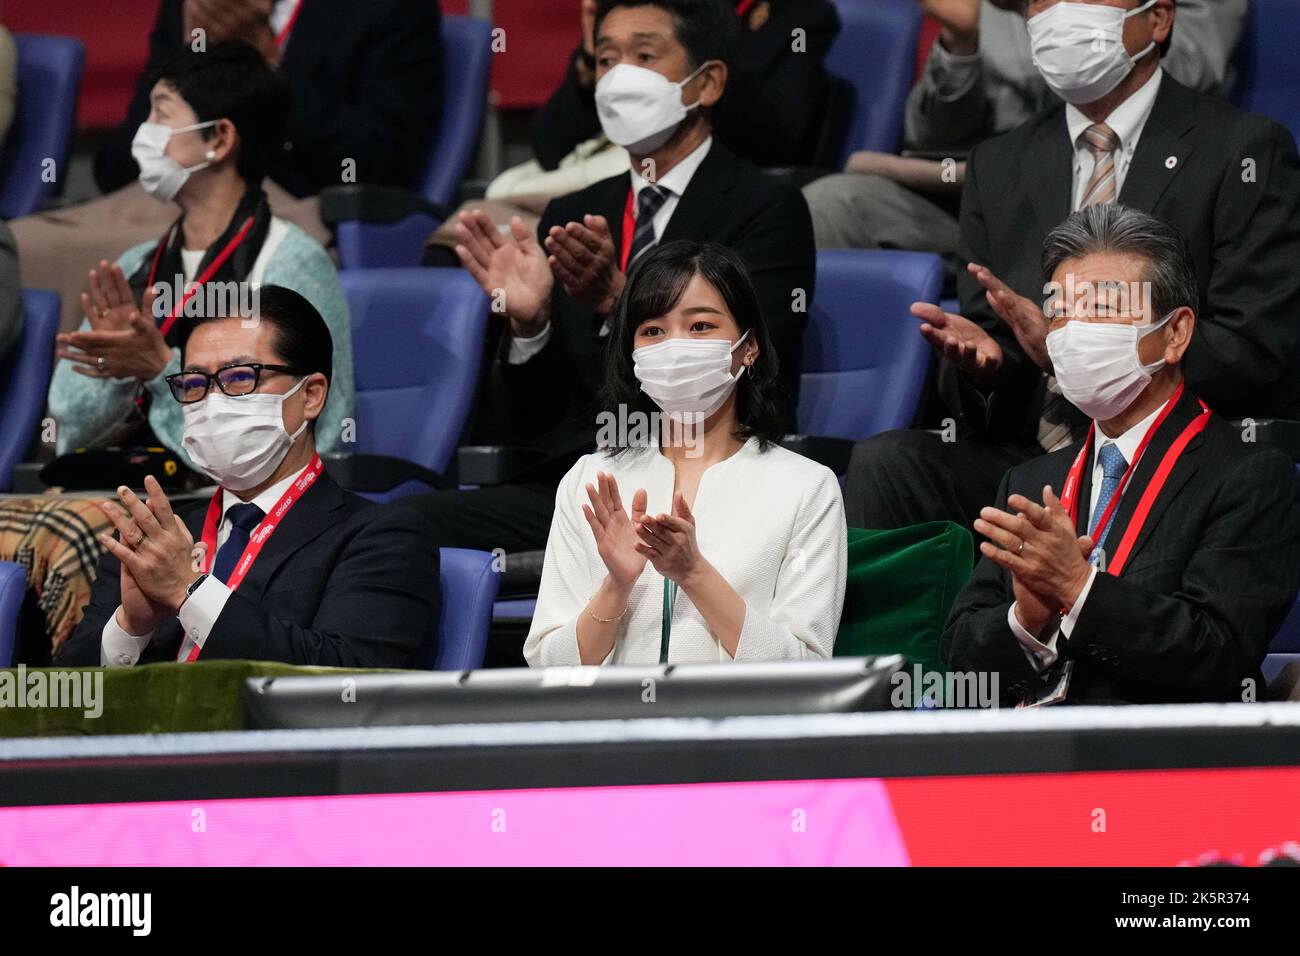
[281, 564]
[661, 68]
[1153, 561]
[771, 114]
[979, 81]
[1229, 182]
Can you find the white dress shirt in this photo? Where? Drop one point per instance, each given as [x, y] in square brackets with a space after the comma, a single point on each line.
[281, 11]
[1127, 121]
[1042, 650]
[675, 181]
[771, 522]
[198, 615]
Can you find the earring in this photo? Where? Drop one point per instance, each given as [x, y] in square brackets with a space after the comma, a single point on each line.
[212, 154]
[750, 369]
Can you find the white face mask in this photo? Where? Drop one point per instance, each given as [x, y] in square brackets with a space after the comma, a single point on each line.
[238, 441]
[687, 377]
[161, 176]
[639, 108]
[1097, 365]
[1079, 49]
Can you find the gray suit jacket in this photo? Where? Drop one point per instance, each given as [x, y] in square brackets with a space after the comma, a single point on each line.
[1007, 90]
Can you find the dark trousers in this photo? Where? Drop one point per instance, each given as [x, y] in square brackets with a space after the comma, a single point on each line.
[511, 517]
[910, 476]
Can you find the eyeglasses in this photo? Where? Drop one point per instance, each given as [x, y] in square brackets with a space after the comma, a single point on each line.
[234, 380]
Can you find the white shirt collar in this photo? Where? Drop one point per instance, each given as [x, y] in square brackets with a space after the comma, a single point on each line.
[1128, 442]
[679, 177]
[1127, 120]
[266, 500]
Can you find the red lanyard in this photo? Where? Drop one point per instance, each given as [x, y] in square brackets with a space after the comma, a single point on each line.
[743, 6]
[260, 535]
[208, 273]
[629, 227]
[1070, 493]
[282, 37]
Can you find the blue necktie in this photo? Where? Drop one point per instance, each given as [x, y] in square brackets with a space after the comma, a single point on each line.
[1113, 467]
[243, 520]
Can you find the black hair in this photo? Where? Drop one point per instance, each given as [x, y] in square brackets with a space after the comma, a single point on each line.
[302, 340]
[231, 80]
[653, 289]
[707, 29]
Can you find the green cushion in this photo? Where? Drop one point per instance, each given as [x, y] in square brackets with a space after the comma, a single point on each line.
[901, 585]
[150, 699]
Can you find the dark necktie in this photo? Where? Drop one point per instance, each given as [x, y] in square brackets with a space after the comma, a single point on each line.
[243, 520]
[1113, 467]
[648, 202]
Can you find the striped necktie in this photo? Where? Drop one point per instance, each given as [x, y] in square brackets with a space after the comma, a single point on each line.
[648, 202]
[1102, 143]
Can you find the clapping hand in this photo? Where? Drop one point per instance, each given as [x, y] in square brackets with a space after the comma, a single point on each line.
[1039, 547]
[157, 554]
[1025, 319]
[582, 258]
[513, 268]
[961, 341]
[615, 530]
[668, 542]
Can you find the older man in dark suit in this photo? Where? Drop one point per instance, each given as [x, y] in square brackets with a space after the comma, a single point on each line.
[1228, 181]
[1154, 560]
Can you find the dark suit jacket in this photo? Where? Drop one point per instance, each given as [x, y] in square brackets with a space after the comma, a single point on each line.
[342, 583]
[548, 402]
[1212, 575]
[1244, 238]
[366, 84]
[771, 110]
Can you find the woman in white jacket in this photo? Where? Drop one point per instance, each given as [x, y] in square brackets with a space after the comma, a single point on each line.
[728, 547]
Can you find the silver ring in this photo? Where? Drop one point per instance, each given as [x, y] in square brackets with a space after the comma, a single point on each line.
[1021, 548]
[99, 363]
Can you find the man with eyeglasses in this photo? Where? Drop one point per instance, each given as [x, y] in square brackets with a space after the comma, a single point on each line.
[281, 564]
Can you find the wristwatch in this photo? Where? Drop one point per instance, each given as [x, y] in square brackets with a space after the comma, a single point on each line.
[194, 586]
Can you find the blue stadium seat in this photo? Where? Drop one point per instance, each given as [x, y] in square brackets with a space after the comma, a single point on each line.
[13, 586]
[864, 359]
[1268, 71]
[25, 379]
[469, 586]
[49, 73]
[417, 339]
[392, 232]
[875, 53]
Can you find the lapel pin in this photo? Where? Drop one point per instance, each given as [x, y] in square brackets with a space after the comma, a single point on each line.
[1171, 162]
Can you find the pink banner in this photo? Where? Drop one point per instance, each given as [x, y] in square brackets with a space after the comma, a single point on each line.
[815, 822]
